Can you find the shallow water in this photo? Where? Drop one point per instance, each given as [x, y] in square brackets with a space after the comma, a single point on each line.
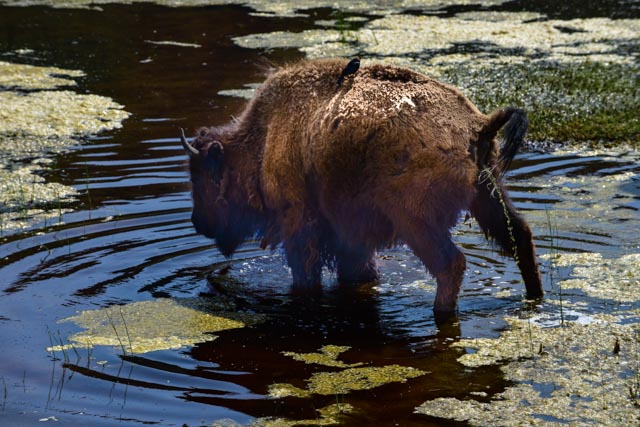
[130, 239]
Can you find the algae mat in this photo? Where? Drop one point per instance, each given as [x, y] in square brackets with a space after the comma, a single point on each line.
[145, 326]
[38, 119]
[574, 374]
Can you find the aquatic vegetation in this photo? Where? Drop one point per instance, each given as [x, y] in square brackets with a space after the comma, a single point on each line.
[52, 114]
[615, 279]
[279, 8]
[29, 77]
[327, 356]
[145, 326]
[23, 193]
[577, 85]
[580, 373]
[568, 102]
[329, 415]
[347, 380]
[37, 120]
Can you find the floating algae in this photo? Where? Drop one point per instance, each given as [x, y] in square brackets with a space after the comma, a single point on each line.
[51, 114]
[29, 77]
[36, 120]
[578, 85]
[329, 416]
[280, 8]
[21, 189]
[515, 36]
[327, 356]
[576, 374]
[347, 380]
[615, 279]
[146, 326]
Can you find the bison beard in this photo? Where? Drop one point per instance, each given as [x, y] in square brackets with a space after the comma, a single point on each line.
[334, 176]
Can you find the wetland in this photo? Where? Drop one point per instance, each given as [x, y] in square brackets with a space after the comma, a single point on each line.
[113, 311]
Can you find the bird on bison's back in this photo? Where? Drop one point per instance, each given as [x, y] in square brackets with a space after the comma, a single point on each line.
[351, 68]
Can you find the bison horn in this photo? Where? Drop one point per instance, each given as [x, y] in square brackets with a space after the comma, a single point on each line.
[192, 151]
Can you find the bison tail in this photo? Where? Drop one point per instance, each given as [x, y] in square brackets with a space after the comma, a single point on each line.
[516, 123]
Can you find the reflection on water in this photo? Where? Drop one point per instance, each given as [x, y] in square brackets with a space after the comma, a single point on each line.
[131, 240]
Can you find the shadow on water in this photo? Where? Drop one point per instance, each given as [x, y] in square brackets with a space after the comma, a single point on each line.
[130, 239]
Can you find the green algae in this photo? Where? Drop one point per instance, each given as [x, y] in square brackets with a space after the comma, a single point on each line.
[145, 326]
[281, 8]
[351, 378]
[29, 77]
[50, 114]
[581, 101]
[327, 356]
[578, 85]
[616, 279]
[35, 121]
[328, 416]
[23, 191]
[347, 380]
[571, 374]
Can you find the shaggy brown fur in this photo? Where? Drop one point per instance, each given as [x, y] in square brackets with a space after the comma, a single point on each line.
[334, 175]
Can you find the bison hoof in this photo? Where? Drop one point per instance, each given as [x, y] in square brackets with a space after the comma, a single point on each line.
[443, 317]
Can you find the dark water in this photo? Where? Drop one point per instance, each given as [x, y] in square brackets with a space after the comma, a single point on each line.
[131, 239]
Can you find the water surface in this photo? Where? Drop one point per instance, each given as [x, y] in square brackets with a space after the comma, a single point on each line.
[130, 239]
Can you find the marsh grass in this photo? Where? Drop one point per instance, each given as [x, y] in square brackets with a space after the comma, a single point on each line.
[115, 331]
[5, 393]
[59, 344]
[579, 101]
[87, 187]
[634, 381]
[126, 328]
[346, 28]
[553, 237]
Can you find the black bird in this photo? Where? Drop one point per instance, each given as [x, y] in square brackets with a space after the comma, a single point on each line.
[351, 68]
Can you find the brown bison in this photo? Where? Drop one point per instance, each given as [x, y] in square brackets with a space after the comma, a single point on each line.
[336, 173]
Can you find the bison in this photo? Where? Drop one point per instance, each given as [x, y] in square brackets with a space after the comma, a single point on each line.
[336, 173]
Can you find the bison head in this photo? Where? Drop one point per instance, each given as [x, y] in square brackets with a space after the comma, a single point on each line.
[220, 210]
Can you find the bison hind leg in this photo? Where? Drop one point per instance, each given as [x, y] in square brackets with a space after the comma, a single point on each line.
[500, 222]
[441, 257]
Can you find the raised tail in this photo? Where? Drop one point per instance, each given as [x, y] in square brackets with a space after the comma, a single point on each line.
[516, 123]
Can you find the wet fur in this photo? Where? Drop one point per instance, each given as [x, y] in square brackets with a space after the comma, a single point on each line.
[334, 175]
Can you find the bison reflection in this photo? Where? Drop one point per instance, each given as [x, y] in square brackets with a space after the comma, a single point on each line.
[336, 173]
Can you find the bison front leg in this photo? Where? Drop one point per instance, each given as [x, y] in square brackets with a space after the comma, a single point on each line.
[443, 260]
[302, 250]
[356, 265]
